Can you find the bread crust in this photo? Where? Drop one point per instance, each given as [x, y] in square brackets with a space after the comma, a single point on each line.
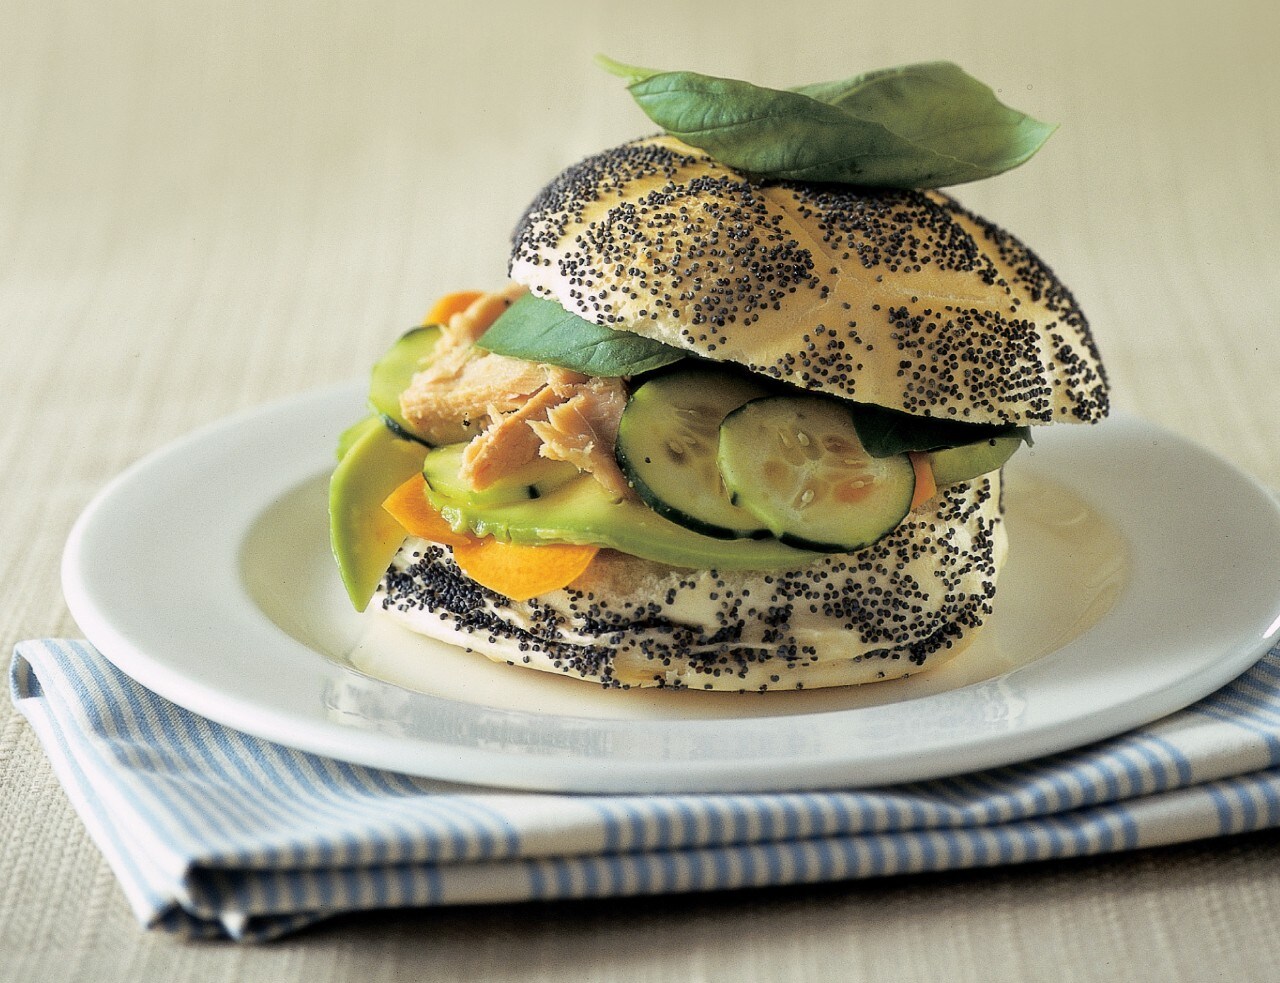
[898, 298]
[910, 601]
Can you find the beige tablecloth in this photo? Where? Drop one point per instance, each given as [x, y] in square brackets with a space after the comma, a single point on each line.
[207, 206]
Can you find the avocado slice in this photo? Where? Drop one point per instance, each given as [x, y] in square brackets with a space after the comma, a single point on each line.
[971, 460]
[363, 536]
[582, 511]
[348, 437]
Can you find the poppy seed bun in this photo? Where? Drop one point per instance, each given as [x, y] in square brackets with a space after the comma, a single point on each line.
[897, 298]
[910, 601]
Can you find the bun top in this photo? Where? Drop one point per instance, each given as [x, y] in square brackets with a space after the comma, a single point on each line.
[898, 298]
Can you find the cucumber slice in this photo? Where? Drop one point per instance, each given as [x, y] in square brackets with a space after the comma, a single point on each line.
[391, 376]
[392, 373]
[538, 478]
[972, 460]
[797, 464]
[667, 449]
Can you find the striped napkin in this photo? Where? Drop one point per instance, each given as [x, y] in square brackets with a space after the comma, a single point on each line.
[213, 833]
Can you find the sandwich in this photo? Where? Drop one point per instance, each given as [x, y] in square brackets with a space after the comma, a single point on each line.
[738, 420]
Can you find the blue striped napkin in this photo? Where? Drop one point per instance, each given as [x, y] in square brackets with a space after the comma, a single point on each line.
[214, 833]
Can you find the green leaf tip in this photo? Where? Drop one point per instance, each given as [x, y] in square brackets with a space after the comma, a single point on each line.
[631, 73]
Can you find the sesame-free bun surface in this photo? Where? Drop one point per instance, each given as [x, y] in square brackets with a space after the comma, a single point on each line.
[897, 298]
[908, 602]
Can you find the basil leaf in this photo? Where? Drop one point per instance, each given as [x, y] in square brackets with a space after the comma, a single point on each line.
[885, 432]
[540, 330]
[938, 106]
[917, 126]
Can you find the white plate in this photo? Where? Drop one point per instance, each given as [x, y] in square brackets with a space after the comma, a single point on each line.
[1143, 575]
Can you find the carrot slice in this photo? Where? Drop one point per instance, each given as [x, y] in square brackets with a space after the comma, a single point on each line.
[451, 304]
[518, 572]
[409, 506]
[521, 572]
[926, 487]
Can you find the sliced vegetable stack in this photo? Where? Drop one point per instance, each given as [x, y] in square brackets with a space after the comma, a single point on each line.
[729, 471]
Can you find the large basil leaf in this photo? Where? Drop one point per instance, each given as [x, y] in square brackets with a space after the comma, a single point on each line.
[540, 330]
[917, 126]
[885, 432]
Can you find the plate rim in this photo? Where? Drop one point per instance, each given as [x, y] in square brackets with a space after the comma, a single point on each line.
[568, 772]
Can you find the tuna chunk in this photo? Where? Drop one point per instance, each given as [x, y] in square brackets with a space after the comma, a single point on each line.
[508, 444]
[468, 389]
[466, 327]
[583, 430]
[463, 384]
[527, 409]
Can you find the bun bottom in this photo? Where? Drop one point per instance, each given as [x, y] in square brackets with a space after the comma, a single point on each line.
[908, 602]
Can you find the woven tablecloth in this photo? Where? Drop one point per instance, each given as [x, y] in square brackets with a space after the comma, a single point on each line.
[205, 207]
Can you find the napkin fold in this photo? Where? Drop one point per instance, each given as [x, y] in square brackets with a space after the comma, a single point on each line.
[213, 833]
